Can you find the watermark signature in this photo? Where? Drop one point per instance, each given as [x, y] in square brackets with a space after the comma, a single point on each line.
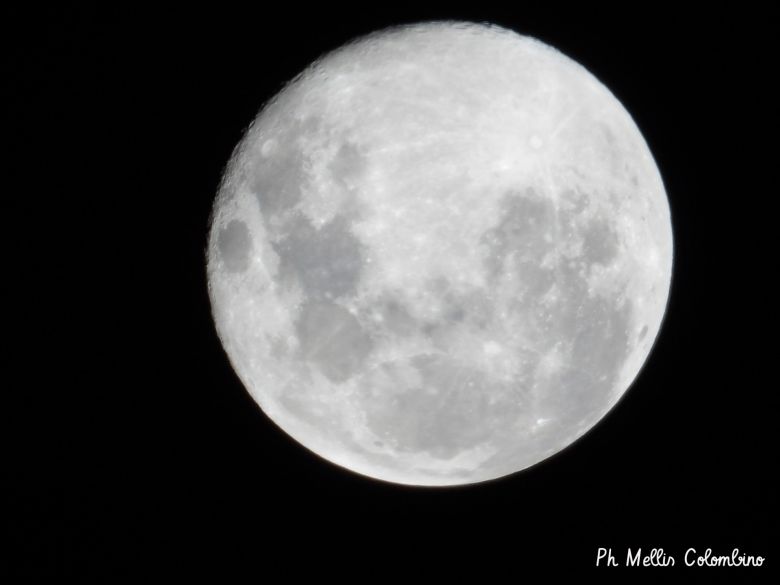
[657, 557]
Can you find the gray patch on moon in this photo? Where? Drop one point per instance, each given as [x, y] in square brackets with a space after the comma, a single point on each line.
[332, 339]
[589, 333]
[523, 237]
[326, 262]
[278, 179]
[600, 242]
[469, 310]
[347, 165]
[234, 244]
[595, 331]
[435, 404]
[575, 395]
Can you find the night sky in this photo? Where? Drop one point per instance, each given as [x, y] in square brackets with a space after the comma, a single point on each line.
[131, 452]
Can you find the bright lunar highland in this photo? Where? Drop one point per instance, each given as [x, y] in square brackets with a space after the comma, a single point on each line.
[440, 254]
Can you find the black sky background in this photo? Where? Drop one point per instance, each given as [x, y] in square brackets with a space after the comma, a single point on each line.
[131, 452]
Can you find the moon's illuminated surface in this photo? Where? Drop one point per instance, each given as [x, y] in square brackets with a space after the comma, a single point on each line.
[440, 255]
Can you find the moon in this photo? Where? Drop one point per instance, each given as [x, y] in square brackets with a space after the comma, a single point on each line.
[440, 254]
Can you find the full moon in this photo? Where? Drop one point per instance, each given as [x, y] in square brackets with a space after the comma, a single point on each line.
[440, 254]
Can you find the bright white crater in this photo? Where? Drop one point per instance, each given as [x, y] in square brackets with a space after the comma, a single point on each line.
[440, 255]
